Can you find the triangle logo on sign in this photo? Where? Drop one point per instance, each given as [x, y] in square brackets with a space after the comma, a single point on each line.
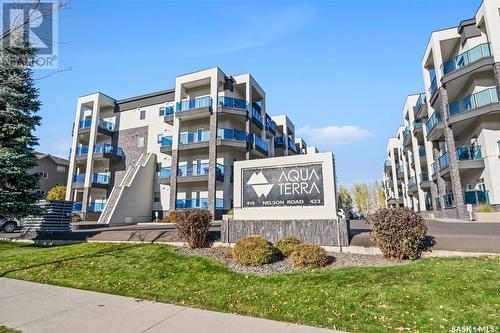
[260, 184]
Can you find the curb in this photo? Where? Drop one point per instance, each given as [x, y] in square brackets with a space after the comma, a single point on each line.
[345, 249]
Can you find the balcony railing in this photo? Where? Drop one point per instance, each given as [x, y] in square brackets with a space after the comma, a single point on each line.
[476, 197]
[433, 121]
[257, 116]
[421, 151]
[449, 200]
[387, 164]
[102, 124]
[197, 203]
[196, 103]
[77, 207]
[279, 142]
[165, 172]
[96, 207]
[79, 179]
[406, 133]
[231, 102]
[291, 145]
[104, 148]
[424, 177]
[100, 178]
[421, 101]
[271, 125]
[194, 137]
[166, 141]
[259, 142]
[474, 101]
[469, 153]
[433, 87]
[463, 59]
[434, 168]
[231, 134]
[167, 111]
[443, 161]
[417, 124]
[198, 170]
[412, 182]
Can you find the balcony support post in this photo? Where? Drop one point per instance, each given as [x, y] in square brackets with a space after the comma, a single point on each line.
[173, 179]
[456, 184]
[212, 163]
[439, 188]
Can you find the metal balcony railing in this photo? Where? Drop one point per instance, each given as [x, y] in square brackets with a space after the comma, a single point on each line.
[474, 101]
[201, 203]
[433, 121]
[232, 134]
[449, 200]
[194, 137]
[232, 102]
[469, 153]
[463, 59]
[196, 103]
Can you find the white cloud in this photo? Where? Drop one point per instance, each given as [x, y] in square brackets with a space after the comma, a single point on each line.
[333, 135]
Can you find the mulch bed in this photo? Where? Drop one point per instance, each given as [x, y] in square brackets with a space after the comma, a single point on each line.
[336, 260]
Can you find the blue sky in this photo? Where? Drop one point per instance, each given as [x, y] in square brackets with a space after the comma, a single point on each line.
[340, 69]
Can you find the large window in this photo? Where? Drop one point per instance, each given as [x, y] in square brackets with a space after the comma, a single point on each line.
[61, 168]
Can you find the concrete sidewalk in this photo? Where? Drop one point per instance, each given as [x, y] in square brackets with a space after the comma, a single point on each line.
[33, 308]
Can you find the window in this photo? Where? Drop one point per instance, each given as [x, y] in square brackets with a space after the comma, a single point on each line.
[157, 197]
[61, 168]
[159, 137]
[140, 141]
[43, 175]
[142, 115]
[162, 112]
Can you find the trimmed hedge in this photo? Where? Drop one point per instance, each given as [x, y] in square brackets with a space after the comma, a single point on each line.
[309, 256]
[287, 245]
[254, 251]
[398, 232]
[192, 226]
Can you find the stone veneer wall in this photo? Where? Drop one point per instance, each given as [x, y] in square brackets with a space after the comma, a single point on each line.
[127, 140]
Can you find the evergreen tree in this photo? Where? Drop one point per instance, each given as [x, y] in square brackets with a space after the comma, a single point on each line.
[18, 107]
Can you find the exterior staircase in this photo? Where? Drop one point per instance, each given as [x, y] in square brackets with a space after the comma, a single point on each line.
[117, 191]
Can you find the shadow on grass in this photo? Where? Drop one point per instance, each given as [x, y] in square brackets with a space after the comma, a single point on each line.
[100, 253]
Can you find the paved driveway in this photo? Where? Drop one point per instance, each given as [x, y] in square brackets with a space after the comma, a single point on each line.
[449, 236]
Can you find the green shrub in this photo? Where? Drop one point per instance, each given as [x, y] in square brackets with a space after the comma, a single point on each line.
[398, 232]
[230, 212]
[485, 208]
[171, 217]
[76, 219]
[287, 245]
[192, 226]
[309, 255]
[254, 251]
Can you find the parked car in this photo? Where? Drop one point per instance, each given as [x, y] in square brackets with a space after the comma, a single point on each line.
[10, 225]
[340, 213]
[354, 216]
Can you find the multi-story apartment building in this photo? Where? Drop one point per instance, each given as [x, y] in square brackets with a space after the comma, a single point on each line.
[451, 140]
[52, 170]
[135, 158]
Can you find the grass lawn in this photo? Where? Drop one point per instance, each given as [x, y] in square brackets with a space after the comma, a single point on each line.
[4, 329]
[427, 296]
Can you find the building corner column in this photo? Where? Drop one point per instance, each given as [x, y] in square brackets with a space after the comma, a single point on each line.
[173, 179]
[212, 164]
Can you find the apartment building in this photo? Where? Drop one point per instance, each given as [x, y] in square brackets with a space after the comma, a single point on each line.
[451, 139]
[52, 171]
[140, 157]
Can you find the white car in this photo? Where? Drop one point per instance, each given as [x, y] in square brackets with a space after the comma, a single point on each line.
[10, 225]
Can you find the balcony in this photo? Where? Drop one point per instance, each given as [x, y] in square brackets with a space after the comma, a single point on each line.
[406, 136]
[279, 142]
[470, 157]
[417, 126]
[449, 201]
[96, 207]
[232, 137]
[423, 177]
[421, 107]
[104, 150]
[476, 197]
[103, 127]
[98, 180]
[291, 146]
[166, 144]
[412, 182]
[193, 140]
[257, 118]
[271, 125]
[168, 114]
[433, 88]
[464, 59]
[434, 169]
[231, 102]
[434, 126]
[199, 107]
[198, 172]
[165, 173]
[444, 161]
[259, 145]
[387, 164]
[201, 203]
[468, 106]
